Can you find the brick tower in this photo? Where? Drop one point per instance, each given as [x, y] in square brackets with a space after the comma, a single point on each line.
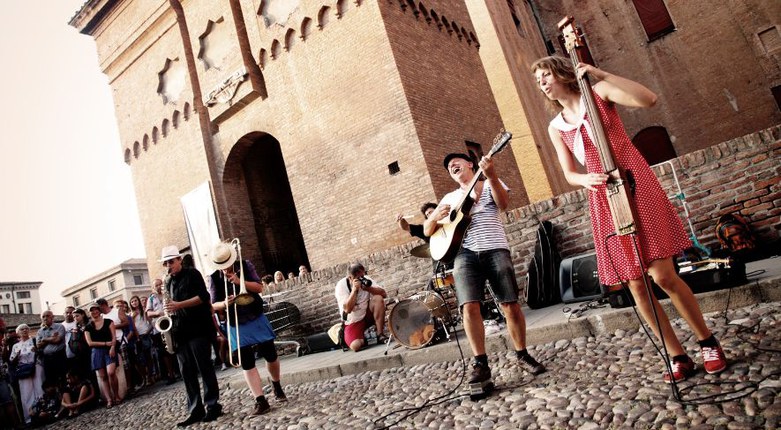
[314, 122]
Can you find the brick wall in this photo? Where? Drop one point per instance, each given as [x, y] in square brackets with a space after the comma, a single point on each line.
[741, 175]
[713, 74]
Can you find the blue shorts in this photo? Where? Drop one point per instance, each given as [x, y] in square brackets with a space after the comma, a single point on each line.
[101, 358]
[471, 269]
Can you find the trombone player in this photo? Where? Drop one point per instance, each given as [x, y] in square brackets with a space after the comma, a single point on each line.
[236, 291]
[188, 305]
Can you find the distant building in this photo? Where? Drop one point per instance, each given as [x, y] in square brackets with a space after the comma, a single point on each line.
[20, 298]
[124, 281]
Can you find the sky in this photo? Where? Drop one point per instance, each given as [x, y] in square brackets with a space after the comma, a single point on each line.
[69, 210]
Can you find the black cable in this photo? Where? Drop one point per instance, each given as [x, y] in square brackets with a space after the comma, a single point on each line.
[434, 400]
[664, 354]
[723, 396]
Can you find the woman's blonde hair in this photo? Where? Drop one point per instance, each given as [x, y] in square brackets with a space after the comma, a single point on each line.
[562, 70]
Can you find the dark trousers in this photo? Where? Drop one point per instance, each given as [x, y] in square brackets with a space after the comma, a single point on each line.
[54, 366]
[195, 357]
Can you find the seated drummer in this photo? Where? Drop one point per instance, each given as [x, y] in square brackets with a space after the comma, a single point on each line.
[361, 304]
[416, 230]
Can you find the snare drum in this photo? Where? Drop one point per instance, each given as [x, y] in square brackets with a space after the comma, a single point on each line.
[412, 320]
[444, 280]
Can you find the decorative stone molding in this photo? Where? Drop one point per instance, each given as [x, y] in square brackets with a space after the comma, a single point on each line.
[225, 91]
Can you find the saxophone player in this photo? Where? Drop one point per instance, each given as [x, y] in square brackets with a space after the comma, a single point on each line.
[193, 331]
[154, 311]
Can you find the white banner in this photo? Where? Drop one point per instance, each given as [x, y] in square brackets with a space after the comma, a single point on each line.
[201, 225]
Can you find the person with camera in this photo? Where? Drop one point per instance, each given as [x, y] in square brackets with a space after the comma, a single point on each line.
[361, 304]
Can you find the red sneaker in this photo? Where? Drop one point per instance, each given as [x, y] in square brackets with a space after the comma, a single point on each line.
[681, 370]
[713, 359]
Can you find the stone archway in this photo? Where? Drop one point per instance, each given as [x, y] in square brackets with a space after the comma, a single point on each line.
[260, 203]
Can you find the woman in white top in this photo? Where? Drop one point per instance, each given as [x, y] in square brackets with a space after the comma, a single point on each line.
[144, 342]
[22, 353]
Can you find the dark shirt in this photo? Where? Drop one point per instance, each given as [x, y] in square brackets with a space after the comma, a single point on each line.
[195, 321]
[217, 290]
[416, 230]
[102, 335]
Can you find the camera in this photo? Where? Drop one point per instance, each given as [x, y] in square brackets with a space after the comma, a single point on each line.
[365, 282]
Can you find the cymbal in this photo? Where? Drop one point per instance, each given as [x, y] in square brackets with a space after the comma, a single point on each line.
[421, 251]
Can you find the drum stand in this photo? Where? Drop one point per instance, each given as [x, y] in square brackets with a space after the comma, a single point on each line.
[387, 324]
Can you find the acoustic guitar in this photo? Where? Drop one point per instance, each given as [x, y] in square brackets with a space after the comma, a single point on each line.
[621, 208]
[446, 240]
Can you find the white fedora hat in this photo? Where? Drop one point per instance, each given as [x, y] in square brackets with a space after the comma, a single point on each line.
[223, 255]
[169, 252]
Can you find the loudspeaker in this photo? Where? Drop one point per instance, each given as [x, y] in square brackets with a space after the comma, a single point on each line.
[320, 342]
[579, 278]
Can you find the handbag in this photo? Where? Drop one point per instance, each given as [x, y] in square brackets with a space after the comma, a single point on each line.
[25, 370]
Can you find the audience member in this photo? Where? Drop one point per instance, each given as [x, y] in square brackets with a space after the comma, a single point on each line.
[279, 277]
[69, 325]
[127, 347]
[144, 341]
[45, 408]
[78, 395]
[100, 337]
[51, 348]
[303, 272]
[78, 344]
[7, 406]
[29, 372]
[164, 361]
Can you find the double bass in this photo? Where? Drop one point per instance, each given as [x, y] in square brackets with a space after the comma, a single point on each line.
[619, 181]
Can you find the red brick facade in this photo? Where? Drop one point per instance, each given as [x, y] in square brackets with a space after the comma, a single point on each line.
[300, 112]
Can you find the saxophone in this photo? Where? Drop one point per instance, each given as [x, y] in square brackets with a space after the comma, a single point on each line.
[164, 324]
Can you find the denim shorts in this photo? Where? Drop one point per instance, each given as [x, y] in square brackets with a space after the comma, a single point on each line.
[101, 358]
[472, 269]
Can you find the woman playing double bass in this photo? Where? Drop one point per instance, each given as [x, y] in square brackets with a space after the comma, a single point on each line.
[660, 232]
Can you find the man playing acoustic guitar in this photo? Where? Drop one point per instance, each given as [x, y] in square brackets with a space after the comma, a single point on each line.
[484, 254]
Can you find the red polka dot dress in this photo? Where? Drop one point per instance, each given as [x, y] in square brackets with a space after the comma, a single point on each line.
[660, 231]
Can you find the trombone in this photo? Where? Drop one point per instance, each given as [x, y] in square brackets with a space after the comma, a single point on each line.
[242, 299]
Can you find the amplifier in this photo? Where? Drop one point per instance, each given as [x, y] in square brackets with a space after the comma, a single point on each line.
[579, 279]
[701, 276]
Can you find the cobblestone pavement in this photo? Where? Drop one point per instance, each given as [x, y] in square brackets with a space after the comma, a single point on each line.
[605, 382]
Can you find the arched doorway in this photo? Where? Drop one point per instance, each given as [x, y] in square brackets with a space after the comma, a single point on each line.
[655, 145]
[260, 201]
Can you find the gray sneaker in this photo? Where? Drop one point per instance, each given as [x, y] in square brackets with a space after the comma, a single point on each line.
[531, 365]
[280, 395]
[261, 407]
[480, 373]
